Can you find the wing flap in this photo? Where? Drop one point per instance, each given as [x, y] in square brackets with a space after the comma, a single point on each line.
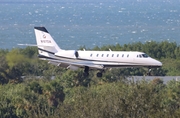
[78, 64]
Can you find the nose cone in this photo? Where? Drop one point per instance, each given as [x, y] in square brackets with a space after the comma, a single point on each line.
[157, 63]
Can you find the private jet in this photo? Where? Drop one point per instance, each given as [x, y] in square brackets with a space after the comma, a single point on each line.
[99, 60]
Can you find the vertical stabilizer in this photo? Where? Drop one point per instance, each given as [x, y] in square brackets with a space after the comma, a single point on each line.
[46, 44]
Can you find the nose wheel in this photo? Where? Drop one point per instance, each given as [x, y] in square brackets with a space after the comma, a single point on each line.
[149, 72]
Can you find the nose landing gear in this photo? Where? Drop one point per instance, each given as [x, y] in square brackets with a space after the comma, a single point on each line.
[149, 72]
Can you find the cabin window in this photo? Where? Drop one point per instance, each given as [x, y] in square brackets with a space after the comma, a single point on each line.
[140, 56]
[117, 55]
[128, 55]
[112, 55]
[137, 56]
[102, 55]
[97, 55]
[122, 55]
[107, 55]
[91, 55]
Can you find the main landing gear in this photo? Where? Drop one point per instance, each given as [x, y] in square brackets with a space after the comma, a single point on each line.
[86, 72]
[99, 74]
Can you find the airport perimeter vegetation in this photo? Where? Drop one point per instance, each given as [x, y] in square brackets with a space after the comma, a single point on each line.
[71, 94]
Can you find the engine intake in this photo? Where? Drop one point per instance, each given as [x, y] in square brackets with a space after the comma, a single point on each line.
[76, 54]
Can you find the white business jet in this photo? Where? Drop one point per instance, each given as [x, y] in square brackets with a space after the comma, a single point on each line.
[100, 60]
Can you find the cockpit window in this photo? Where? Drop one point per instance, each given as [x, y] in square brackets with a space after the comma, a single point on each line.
[142, 56]
[145, 55]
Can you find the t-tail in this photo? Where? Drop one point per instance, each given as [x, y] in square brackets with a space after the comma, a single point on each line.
[45, 43]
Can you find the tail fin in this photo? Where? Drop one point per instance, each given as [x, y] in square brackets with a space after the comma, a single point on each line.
[46, 44]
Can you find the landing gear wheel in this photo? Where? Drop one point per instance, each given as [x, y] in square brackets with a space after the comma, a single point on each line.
[99, 74]
[149, 72]
[86, 71]
[86, 74]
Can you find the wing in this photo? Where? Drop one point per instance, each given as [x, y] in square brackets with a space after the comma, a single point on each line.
[80, 64]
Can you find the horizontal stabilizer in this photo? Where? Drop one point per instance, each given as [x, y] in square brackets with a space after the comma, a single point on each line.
[33, 45]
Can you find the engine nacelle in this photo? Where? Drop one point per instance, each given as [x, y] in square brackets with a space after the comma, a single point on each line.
[68, 54]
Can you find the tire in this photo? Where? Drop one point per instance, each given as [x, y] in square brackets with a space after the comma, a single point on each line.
[99, 74]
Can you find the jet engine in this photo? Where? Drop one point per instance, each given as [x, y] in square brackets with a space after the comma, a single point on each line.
[68, 54]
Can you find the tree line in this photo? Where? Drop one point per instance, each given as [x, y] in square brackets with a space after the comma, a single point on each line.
[70, 94]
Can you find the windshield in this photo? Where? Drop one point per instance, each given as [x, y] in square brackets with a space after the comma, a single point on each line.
[145, 55]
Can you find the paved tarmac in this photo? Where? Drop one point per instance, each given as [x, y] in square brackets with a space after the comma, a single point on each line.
[164, 78]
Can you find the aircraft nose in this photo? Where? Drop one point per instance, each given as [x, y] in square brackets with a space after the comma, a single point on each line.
[158, 63]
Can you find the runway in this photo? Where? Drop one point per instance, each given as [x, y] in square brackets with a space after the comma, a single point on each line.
[149, 78]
